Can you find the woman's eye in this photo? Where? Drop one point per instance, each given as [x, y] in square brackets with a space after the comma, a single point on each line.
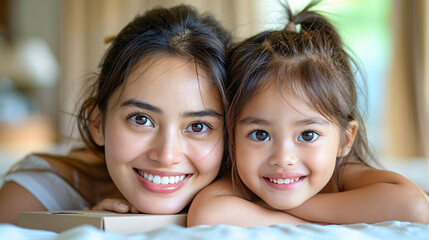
[308, 136]
[141, 120]
[197, 127]
[260, 135]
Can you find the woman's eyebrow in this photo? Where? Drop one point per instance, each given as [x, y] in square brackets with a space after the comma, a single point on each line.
[204, 113]
[142, 105]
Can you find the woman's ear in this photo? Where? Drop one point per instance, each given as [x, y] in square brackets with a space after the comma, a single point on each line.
[96, 124]
[350, 135]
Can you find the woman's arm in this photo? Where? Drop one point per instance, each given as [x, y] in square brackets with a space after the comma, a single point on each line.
[217, 204]
[15, 199]
[114, 204]
[369, 196]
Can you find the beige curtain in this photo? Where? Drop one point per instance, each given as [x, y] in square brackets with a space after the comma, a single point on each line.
[408, 84]
[86, 22]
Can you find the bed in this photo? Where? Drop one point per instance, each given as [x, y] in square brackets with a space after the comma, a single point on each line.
[416, 169]
[384, 230]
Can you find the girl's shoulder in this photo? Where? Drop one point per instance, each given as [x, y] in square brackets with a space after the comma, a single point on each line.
[358, 175]
[221, 187]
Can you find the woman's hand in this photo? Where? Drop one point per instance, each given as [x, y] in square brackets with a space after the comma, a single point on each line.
[115, 205]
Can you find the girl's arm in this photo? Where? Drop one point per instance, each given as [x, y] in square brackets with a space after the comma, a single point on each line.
[369, 196]
[15, 199]
[217, 204]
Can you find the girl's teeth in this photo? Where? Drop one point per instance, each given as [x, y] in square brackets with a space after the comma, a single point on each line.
[161, 180]
[283, 181]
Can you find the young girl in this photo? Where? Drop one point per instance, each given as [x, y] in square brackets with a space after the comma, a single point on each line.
[153, 125]
[299, 149]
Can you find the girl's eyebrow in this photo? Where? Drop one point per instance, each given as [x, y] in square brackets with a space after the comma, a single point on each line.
[254, 120]
[301, 122]
[142, 105]
[312, 120]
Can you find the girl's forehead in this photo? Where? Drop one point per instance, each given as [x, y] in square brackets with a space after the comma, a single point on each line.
[275, 92]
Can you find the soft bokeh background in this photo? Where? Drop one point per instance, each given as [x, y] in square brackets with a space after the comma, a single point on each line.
[49, 48]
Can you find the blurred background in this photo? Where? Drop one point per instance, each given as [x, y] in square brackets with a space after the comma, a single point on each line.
[49, 49]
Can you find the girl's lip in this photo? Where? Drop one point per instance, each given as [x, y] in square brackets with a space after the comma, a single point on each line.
[284, 175]
[161, 188]
[297, 181]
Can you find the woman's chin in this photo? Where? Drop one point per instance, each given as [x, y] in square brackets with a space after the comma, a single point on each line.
[157, 207]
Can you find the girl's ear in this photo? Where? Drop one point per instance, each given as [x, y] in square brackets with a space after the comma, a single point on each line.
[350, 135]
[96, 125]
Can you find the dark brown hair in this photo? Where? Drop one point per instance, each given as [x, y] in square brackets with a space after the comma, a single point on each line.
[310, 62]
[178, 31]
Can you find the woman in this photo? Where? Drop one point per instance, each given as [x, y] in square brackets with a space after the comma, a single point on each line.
[153, 124]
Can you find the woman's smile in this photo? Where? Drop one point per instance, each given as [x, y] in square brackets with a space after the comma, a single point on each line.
[161, 182]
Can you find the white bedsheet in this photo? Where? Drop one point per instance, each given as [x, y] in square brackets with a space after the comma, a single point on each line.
[385, 230]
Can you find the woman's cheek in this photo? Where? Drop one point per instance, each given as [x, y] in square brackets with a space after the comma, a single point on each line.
[207, 157]
[122, 146]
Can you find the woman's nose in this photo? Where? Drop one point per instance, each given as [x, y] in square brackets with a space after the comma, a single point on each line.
[166, 149]
[283, 155]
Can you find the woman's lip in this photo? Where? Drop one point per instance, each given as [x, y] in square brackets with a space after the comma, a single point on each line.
[161, 173]
[161, 188]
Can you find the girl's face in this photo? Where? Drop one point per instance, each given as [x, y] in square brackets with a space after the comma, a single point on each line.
[163, 135]
[285, 152]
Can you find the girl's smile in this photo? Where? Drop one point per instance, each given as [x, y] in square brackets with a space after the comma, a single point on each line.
[284, 181]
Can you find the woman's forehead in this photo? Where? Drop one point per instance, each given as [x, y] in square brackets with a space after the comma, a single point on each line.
[168, 78]
[163, 63]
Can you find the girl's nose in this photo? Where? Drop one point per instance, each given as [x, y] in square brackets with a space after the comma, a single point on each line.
[166, 149]
[283, 156]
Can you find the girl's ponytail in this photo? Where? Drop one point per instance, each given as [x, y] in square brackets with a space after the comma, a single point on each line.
[308, 20]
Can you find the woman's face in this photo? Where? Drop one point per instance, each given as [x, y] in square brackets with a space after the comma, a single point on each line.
[163, 135]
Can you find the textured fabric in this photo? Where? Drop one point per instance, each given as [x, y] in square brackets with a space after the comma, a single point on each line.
[35, 175]
[385, 230]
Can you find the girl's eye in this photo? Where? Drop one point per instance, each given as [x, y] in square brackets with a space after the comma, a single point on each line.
[197, 127]
[308, 136]
[260, 135]
[141, 120]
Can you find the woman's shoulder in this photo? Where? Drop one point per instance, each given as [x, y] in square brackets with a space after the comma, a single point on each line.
[85, 172]
[84, 161]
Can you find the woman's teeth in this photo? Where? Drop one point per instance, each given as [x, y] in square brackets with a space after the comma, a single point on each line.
[284, 181]
[161, 180]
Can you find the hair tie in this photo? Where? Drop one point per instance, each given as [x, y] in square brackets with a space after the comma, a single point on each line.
[109, 38]
[291, 27]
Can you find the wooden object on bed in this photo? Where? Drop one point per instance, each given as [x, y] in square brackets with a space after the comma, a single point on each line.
[59, 221]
